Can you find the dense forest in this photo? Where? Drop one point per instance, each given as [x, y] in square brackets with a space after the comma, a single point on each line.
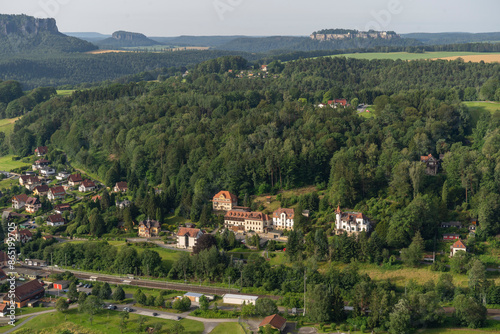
[218, 128]
[212, 130]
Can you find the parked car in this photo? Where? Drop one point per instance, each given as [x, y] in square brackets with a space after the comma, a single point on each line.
[126, 309]
[155, 314]
[111, 307]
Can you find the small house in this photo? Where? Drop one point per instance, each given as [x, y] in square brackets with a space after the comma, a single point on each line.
[120, 187]
[42, 190]
[55, 220]
[33, 205]
[19, 201]
[62, 176]
[188, 237]
[56, 193]
[193, 296]
[60, 208]
[451, 224]
[275, 321]
[149, 228]
[61, 285]
[456, 247]
[41, 151]
[86, 186]
[75, 180]
[27, 292]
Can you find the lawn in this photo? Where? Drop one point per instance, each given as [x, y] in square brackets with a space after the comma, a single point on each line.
[30, 310]
[228, 327]
[63, 92]
[406, 55]
[269, 208]
[277, 258]
[106, 322]
[7, 125]
[456, 331]
[7, 183]
[478, 107]
[7, 164]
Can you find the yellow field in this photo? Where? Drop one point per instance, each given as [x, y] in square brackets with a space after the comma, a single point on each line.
[487, 58]
[98, 52]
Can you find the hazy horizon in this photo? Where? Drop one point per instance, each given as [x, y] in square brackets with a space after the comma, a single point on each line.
[262, 18]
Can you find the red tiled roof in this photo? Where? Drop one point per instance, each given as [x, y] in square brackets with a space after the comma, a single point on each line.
[88, 183]
[226, 194]
[42, 161]
[42, 150]
[459, 244]
[21, 198]
[75, 178]
[246, 215]
[289, 212]
[42, 189]
[3, 307]
[426, 157]
[57, 218]
[26, 232]
[29, 290]
[32, 201]
[122, 185]
[58, 191]
[275, 320]
[192, 232]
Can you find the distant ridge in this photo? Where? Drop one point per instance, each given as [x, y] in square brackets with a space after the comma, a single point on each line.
[21, 34]
[126, 39]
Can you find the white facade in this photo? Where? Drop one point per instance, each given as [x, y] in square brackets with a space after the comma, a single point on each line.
[351, 222]
[238, 299]
[283, 219]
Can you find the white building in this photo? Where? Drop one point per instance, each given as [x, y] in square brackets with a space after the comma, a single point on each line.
[229, 298]
[458, 246]
[283, 219]
[250, 221]
[351, 222]
[187, 237]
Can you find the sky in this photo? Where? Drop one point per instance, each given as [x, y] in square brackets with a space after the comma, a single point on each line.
[261, 17]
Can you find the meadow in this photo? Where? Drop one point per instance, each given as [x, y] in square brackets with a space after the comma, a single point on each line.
[7, 164]
[478, 107]
[105, 322]
[7, 125]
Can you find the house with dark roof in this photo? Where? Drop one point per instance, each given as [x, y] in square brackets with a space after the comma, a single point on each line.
[431, 163]
[283, 219]
[39, 164]
[351, 222]
[30, 181]
[451, 224]
[42, 190]
[251, 221]
[33, 205]
[56, 193]
[123, 204]
[19, 201]
[224, 200]
[60, 208]
[149, 228]
[187, 237]
[55, 220]
[456, 247]
[22, 236]
[86, 185]
[26, 292]
[120, 187]
[41, 151]
[75, 180]
[275, 321]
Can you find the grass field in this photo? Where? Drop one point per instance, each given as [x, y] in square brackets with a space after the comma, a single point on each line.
[106, 322]
[7, 183]
[63, 92]
[269, 208]
[478, 107]
[7, 164]
[7, 125]
[228, 327]
[410, 56]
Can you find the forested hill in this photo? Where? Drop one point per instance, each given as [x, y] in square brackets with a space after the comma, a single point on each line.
[22, 34]
[212, 130]
[126, 39]
[289, 43]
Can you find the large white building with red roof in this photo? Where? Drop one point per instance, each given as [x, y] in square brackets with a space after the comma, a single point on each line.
[351, 222]
[224, 200]
[187, 237]
[283, 219]
[251, 221]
